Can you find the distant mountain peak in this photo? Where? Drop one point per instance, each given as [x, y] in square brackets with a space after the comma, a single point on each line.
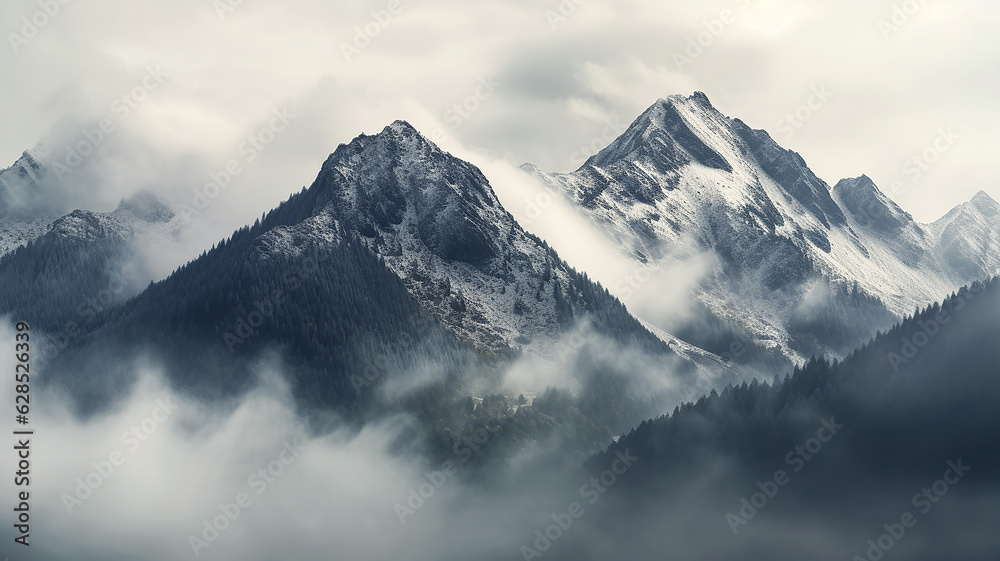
[985, 204]
[395, 179]
[698, 97]
[400, 126]
[400, 130]
[869, 206]
[861, 186]
[19, 182]
[147, 206]
[663, 139]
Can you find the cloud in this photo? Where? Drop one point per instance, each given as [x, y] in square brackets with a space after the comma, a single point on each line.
[232, 69]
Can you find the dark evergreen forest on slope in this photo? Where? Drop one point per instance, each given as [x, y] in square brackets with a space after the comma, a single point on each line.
[901, 408]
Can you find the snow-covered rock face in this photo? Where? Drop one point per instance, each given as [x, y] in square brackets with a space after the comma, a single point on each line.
[142, 217]
[28, 211]
[19, 187]
[683, 171]
[381, 182]
[968, 238]
[437, 224]
[19, 182]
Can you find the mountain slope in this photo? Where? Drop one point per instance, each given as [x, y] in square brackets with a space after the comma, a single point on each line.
[858, 443]
[803, 269]
[20, 218]
[84, 262]
[438, 225]
[967, 238]
[423, 273]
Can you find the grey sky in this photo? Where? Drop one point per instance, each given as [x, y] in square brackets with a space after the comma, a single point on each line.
[561, 82]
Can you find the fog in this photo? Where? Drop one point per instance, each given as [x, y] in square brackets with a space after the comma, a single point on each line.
[857, 450]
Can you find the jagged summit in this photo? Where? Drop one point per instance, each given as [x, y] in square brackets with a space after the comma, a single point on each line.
[662, 138]
[376, 184]
[31, 161]
[697, 97]
[397, 136]
[435, 222]
[985, 204]
[869, 206]
[147, 206]
[19, 183]
[400, 126]
[25, 210]
[686, 176]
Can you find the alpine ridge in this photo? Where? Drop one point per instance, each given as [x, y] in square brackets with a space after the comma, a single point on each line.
[803, 269]
[423, 270]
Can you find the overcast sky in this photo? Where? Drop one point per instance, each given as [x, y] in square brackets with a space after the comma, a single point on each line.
[550, 85]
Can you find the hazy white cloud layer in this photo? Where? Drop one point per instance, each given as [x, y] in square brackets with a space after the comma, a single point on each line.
[538, 82]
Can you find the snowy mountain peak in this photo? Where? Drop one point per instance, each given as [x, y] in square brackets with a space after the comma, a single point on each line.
[435, 222]
[377, 183]
[701, 98]
[698, 98]
[19, 183]
[985, 204]
[32, 160]
[82, 225]
[147, 206]
[868, 206]
[684, 171]
[402, 127]
[662, 138]
[397, 137]
[25, 212]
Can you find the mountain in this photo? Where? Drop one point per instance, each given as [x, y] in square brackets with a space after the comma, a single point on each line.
[21, 219]
[84, 263]
[59, 269]
[802, 269]
[967, 238]
[436, 223]
[904, 425]
[422, 275]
